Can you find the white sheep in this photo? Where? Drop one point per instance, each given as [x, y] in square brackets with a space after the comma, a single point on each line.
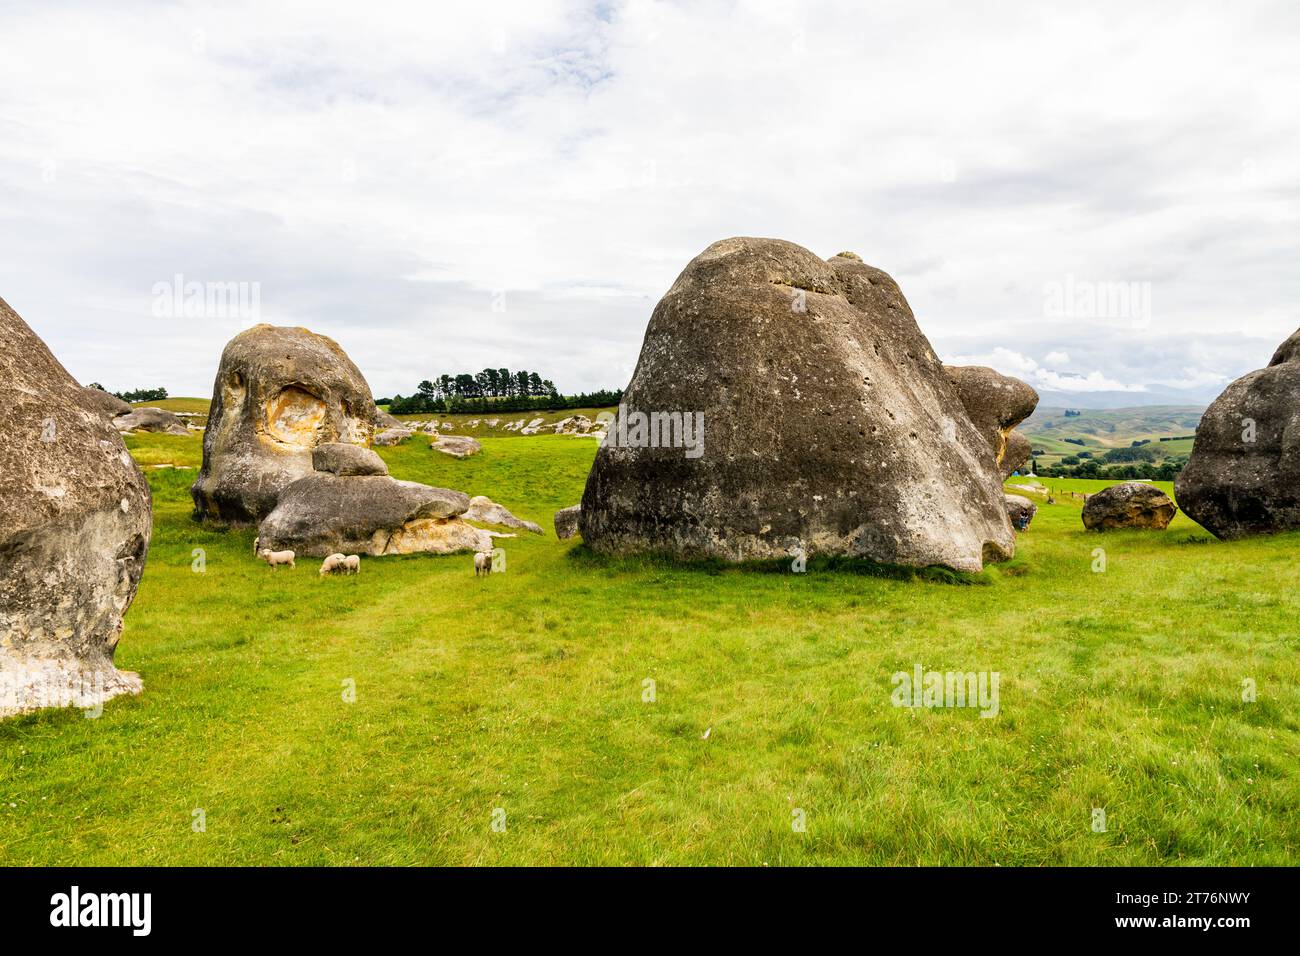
[352, 564]
[332, 564]
[276, 558]
[482, 563]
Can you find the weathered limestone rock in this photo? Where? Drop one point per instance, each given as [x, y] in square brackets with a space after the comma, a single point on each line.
[75, 524]
[323, 514]
[1131, 504]
[150, 420]
[1243, 476]
[344, 460]
[566, 521]
[486, 511]
[832, 427]
[996, 404]
[279, 393]
[458, 446]
[101, 402]
[393, 436]
[1020, 511]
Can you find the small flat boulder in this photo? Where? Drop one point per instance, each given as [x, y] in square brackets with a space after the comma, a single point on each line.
[1131, 504]
[102, 403]
[566, 521]
[150, 420]
[347, 460]
[393, 436]
[487, 511]
[458, 446]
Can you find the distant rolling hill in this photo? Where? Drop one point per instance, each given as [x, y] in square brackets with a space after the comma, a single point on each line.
[1101, 429]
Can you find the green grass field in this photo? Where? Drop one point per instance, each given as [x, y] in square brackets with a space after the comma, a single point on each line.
[523, 693]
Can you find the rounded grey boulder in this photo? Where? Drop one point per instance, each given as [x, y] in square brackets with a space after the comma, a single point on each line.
[1243, 476]
[75, 524]
[150, 420]
[783, 403]
[1130, 504]
[279, 393]
[100, 401]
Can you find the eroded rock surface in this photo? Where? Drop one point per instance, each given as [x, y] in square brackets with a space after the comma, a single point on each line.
[830, 424]
[279, 393]
[344, 460]
[1243, 476]
[566, 521]
[486, 511]
[323, 514]
[1020, 511]
[150, 420]
[1130, 504]
[458, 446]
[75, 525]
[996, 404]
[100, 401]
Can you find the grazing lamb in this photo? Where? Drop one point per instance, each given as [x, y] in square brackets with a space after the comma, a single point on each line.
[276, 558]
[352, 564]
[482, 563]
[333, 564]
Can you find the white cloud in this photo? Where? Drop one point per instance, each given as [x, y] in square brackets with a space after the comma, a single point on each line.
[382, 169]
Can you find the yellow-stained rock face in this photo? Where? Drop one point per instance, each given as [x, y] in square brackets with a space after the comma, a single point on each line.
[434, 536]
[294, 417]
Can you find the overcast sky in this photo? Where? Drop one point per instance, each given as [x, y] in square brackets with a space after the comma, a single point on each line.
[443, 188]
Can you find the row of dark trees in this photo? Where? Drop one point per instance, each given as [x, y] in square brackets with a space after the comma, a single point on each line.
[136, 395]
[493, 389]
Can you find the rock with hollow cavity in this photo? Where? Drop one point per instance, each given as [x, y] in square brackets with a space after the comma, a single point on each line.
[323, 514]
[830, 426]
[75, 524]
[486, 511]
[1243, 476]
[1130, 504]
[279, 393]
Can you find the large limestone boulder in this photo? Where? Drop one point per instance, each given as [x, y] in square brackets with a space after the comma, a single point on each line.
[104, 403]
[829, 424]
[74, 532]
[279, 393]
[1243, 476]
[325, 514]
[1130, 504]
[996, 404]
[150, 420]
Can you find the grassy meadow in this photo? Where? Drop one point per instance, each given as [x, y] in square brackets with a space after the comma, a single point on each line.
[521, 699]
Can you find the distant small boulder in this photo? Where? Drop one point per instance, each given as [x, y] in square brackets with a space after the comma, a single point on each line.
[1131, 504]
[1020, 511]
[458, 446]
[566, 521]
[99, 401]
[150, 420]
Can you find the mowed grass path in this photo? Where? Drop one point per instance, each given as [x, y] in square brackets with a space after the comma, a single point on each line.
[524, 691]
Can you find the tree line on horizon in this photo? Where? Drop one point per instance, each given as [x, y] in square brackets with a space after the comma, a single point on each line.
[493, 389]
